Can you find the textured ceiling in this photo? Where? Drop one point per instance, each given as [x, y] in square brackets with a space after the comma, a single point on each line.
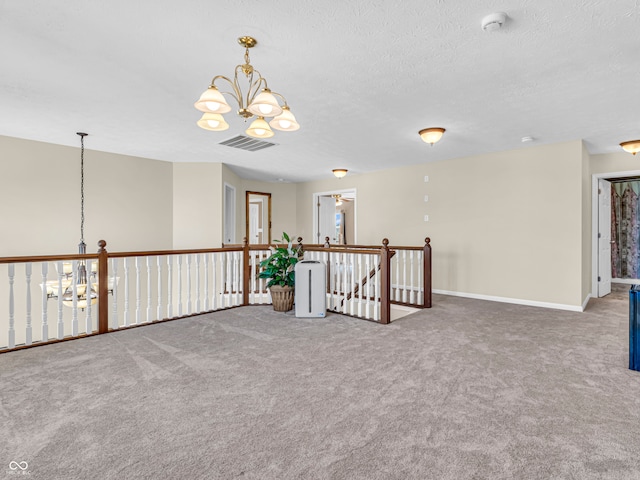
[362, 77]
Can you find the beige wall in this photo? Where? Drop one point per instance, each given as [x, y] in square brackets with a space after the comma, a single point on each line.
[126, 199]
[505, 225]
[197, 205]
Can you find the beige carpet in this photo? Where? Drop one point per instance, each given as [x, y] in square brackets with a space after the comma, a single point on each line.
[466, 390]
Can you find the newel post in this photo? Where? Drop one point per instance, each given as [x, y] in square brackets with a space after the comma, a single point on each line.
[246, 272]
[103, 288]
[426, 272]
[385, 283]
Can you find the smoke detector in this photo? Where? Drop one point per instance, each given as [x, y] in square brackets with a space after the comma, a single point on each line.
[494, 21]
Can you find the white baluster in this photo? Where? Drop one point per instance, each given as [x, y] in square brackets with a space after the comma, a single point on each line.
[28, 332]
[159, 270]
[206, 282]
[126, 291]
[12, 331]
[214, 278]
[412, 293]
[261, 281]
[404, 276]
[237, 261]
[420, 278]
[114, 293]
[396, 291]
[376, 297]
[332, 281]
[74, 302]
[188, 284]
[170, 286]
[45, 302]
[228, 278]
[138, 262]
[362, 281]
[60, 325]
[367, 309]
[198, 310]
[179, 259]
[344, 282]
[88, 322]
[252, 278]
[149, 319]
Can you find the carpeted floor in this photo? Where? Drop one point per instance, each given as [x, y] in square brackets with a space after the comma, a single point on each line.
[467, 390]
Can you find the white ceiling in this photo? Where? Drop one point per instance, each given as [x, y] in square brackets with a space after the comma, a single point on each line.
[361, 76]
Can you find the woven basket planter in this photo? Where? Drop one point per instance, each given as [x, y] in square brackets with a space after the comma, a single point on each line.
[282, 298]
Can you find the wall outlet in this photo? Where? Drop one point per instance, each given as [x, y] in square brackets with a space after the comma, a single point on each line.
[426, 218]
[426, 198]
[426, 178]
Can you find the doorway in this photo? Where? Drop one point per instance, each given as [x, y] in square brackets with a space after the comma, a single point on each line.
[602, 241]
[229, 214]
[334, 216]
[258, 217]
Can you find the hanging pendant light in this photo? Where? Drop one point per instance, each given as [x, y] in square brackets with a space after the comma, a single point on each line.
[81, 291]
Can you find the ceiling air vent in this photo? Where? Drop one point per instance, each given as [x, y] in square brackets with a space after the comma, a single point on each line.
[247, 143]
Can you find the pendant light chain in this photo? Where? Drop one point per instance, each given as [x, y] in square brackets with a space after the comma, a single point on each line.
[82, 135]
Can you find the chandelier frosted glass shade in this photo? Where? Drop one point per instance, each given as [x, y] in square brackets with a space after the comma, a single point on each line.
[285, 122]
[212, 101]
[265, 105]
[259, 128]
[339, 172]
[632, 146]
[213, 121]
[431, 135]
[249, 90]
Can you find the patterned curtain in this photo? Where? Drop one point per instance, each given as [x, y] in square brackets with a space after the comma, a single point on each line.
[625, 229]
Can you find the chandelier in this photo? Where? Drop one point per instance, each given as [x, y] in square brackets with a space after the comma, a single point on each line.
[79, 286]
[257, 100]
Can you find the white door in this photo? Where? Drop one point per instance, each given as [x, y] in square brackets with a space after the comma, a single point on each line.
[229, 214]
[254, 215]
[604, 237]
[326, 219]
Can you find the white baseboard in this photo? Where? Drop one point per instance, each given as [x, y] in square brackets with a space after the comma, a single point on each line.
[516, 301]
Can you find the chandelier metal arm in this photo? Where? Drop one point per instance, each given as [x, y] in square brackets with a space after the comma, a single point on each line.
[284, 100]
[236, 94]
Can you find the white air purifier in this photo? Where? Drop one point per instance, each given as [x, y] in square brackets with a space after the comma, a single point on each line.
[311, 289]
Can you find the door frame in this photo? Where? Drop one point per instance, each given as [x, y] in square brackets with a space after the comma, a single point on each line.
[314, 208]
[246, 203]
[595, 219]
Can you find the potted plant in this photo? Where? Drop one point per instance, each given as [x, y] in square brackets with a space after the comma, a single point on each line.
[279, 269]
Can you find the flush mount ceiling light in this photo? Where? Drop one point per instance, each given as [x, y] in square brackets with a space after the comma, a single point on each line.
[632, 146]
[257, 100]
[431, 135]
[494, 21]
[339, 172]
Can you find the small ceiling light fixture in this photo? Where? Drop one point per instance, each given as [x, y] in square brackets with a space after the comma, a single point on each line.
[338, 198]
[527, 139]
[339, 172]
[494, 21]
[431, 135]
[257, 100]
[632, 146]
